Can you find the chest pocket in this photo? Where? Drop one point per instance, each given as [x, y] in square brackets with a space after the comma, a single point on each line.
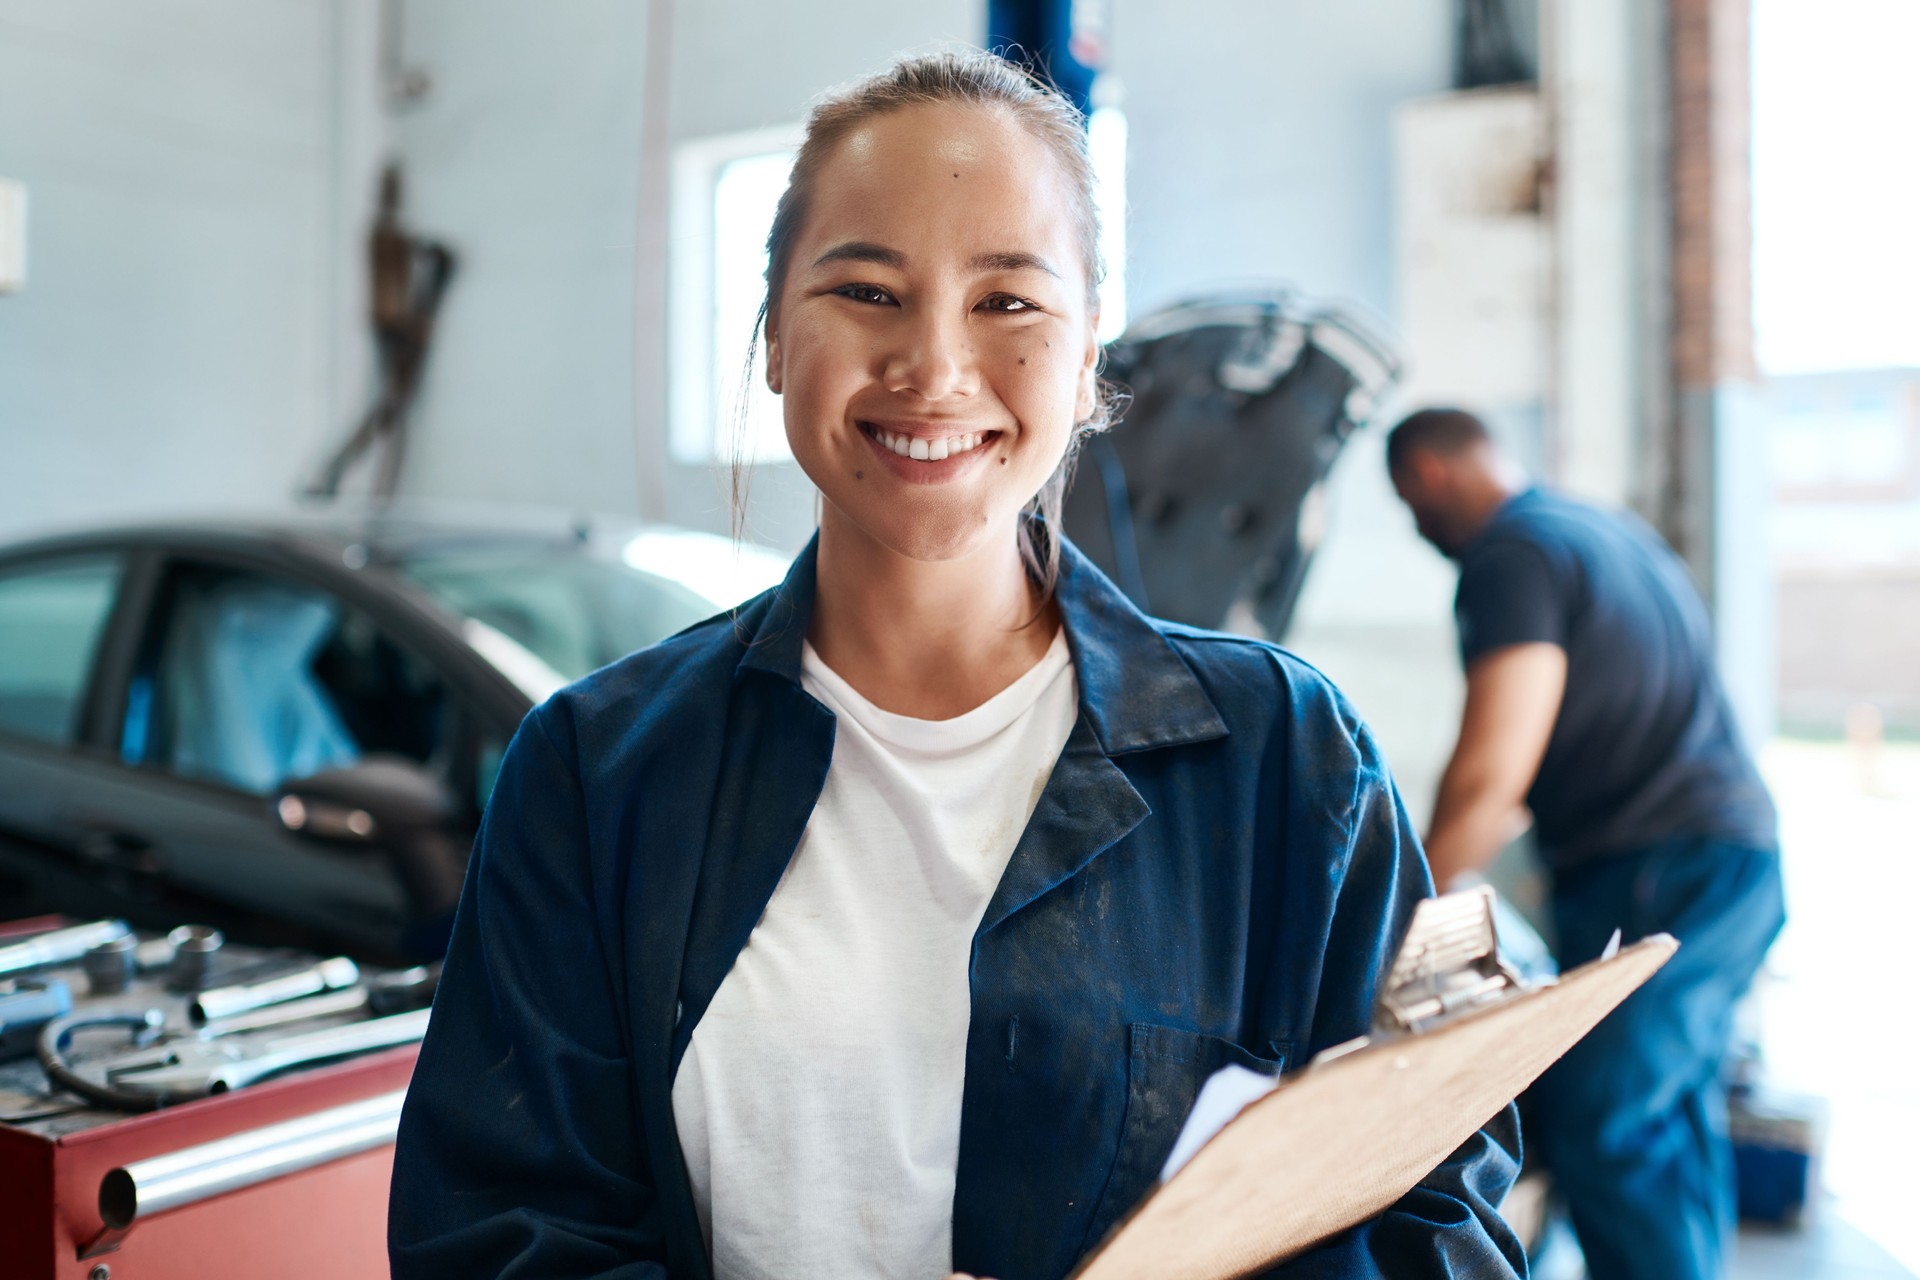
[1165, 1069]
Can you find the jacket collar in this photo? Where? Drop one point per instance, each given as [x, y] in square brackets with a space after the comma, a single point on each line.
[1135, 692]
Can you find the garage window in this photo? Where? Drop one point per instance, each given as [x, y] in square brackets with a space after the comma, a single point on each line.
[51, 617]
[725, 189]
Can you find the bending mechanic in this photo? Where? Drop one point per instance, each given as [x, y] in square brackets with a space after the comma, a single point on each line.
[1593, 702]
[891, 926]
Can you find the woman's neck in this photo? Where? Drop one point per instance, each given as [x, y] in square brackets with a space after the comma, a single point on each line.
[928, 639]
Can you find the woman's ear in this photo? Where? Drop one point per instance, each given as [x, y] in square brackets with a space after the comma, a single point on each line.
[1086, 397]
[773, 358]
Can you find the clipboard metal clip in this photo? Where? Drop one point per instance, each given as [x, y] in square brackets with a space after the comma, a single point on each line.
[1449, 965]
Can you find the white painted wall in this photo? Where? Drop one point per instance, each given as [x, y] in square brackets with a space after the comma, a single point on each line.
[1260, 148]
[175, 344]
[524, 156]
[1260, 139]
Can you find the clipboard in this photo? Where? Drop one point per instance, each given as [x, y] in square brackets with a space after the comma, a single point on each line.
[1457, 1035]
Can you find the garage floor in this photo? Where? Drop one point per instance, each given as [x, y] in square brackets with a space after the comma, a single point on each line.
[1831, 1249]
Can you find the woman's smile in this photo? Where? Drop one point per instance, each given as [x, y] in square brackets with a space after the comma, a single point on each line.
[928, 452]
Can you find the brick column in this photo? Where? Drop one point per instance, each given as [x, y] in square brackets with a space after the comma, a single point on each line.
[1713, 502]
[1710, 341]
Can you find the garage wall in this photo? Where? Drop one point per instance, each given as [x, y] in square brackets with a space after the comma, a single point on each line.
[524, 156]
[1261, 149]
[179, 340]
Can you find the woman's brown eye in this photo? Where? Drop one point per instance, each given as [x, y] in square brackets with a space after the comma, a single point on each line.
[863, 293]
[1007, 302]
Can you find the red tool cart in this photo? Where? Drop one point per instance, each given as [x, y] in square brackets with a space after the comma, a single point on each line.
[286, 1177]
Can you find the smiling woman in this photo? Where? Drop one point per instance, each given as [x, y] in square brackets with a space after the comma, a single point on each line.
[892, 924]
[986, 172]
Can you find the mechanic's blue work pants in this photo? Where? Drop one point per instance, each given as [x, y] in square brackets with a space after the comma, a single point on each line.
[1632, 1122]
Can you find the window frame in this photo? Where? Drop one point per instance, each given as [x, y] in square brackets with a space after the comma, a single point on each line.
[476, 712]
[107, 643]
[695, 405]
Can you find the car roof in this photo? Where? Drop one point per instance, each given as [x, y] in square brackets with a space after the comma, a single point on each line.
[386, 532]
[708, 563]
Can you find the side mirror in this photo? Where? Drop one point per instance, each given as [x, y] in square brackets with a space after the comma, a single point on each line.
[390, 806]
[378, 801]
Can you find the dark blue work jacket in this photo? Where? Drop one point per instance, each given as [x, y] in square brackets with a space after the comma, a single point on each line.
[1217, 871]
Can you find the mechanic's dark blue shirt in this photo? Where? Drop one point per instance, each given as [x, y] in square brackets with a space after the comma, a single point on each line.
[1645, 747]
[1217, 871]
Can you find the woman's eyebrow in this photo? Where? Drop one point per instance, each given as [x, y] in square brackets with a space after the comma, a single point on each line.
[863, 251]
[880, 255]
[1013, 260]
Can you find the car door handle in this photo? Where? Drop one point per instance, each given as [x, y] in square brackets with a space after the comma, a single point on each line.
[119, 848]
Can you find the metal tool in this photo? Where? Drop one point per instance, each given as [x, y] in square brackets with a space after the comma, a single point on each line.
[179, 1070]
[25, 1007]
[194, 947]
[1448, 964]
[403, 989]
[381, 994]
[59, 946]
[225, 1002]
[110, 965]
[328, 1004]
[57, 1036]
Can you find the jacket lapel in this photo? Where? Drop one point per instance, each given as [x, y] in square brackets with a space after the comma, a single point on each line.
[1086, 807]
[1136, 694]
[779, 745]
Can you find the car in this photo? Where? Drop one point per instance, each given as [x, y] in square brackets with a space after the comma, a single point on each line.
[287, 727]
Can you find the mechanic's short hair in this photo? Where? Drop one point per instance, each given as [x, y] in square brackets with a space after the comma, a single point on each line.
[1437, 430]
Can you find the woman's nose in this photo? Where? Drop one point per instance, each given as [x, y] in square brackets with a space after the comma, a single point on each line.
[933, 357]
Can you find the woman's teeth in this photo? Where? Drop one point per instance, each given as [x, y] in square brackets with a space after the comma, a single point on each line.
[921, 449]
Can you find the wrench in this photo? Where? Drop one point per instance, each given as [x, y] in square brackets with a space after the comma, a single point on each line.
[224, 1002]
[182, 1069]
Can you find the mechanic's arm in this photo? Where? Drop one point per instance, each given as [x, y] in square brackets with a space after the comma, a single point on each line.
[519, 1154]
[1513, 698]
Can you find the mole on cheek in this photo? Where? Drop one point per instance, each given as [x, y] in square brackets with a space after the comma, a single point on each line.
[1023, 359]
[859, 475]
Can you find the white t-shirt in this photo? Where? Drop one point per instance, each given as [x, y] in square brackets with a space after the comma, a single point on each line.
[818, 1101]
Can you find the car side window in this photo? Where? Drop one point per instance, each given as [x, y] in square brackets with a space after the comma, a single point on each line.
[52, 614]
[257, 680]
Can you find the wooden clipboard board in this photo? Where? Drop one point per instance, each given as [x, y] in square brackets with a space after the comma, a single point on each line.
[1342, 1140]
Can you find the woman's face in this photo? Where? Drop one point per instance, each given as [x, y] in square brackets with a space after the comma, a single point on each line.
[933, 340]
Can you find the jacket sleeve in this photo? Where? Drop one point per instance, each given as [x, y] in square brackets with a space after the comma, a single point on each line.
[519, 1153]
[1449, 1225]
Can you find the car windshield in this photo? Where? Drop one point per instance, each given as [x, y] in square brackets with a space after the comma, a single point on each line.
[546, 615]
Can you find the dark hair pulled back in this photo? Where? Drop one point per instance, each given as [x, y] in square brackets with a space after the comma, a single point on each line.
[978, 79]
